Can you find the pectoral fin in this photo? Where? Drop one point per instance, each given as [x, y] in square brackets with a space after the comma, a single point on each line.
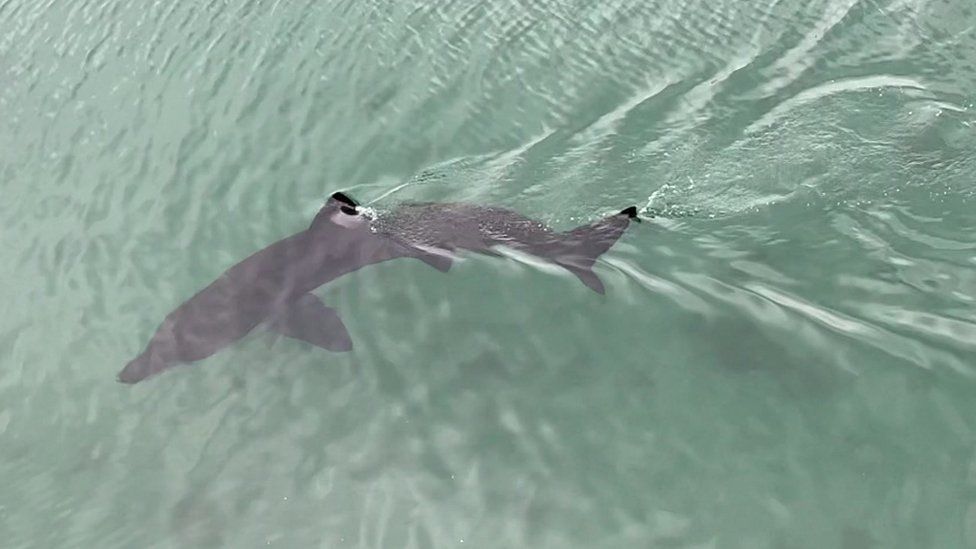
[309, 320]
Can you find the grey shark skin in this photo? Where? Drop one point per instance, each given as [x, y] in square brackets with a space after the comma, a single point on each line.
[441, 229]
[273, 286]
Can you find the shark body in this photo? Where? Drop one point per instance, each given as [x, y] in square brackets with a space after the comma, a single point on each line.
[273, 286]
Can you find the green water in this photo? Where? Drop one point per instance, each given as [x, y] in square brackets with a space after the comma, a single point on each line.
[785, 357]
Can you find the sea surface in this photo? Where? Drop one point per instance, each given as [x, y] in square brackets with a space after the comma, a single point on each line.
[785, 356]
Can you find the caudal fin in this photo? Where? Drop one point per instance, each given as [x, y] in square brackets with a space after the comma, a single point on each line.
[579, 248]
[586, 276]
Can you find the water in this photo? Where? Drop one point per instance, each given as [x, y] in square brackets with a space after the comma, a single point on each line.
[784, 357]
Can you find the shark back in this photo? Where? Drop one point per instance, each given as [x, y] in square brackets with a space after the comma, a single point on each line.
[456, 226]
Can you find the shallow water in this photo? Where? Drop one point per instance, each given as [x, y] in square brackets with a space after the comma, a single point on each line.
[784, 357]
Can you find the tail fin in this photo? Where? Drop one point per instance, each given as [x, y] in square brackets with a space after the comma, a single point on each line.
[586, 276]
[579, 248]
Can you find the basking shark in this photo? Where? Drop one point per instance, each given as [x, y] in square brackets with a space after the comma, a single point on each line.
[272, 288]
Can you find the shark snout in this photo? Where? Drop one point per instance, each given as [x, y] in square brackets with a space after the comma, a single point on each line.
[140, 368]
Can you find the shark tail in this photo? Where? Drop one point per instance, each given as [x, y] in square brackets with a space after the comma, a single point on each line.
[582, 246]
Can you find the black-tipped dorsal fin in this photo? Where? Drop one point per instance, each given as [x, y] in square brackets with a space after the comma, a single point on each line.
[630, 212]
[344, 198]
[338, 201]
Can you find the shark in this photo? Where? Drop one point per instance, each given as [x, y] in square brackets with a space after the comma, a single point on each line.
[273, 287]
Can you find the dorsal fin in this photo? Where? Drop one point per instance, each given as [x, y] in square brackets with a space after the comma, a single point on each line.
[344, 198]
[338, 201]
